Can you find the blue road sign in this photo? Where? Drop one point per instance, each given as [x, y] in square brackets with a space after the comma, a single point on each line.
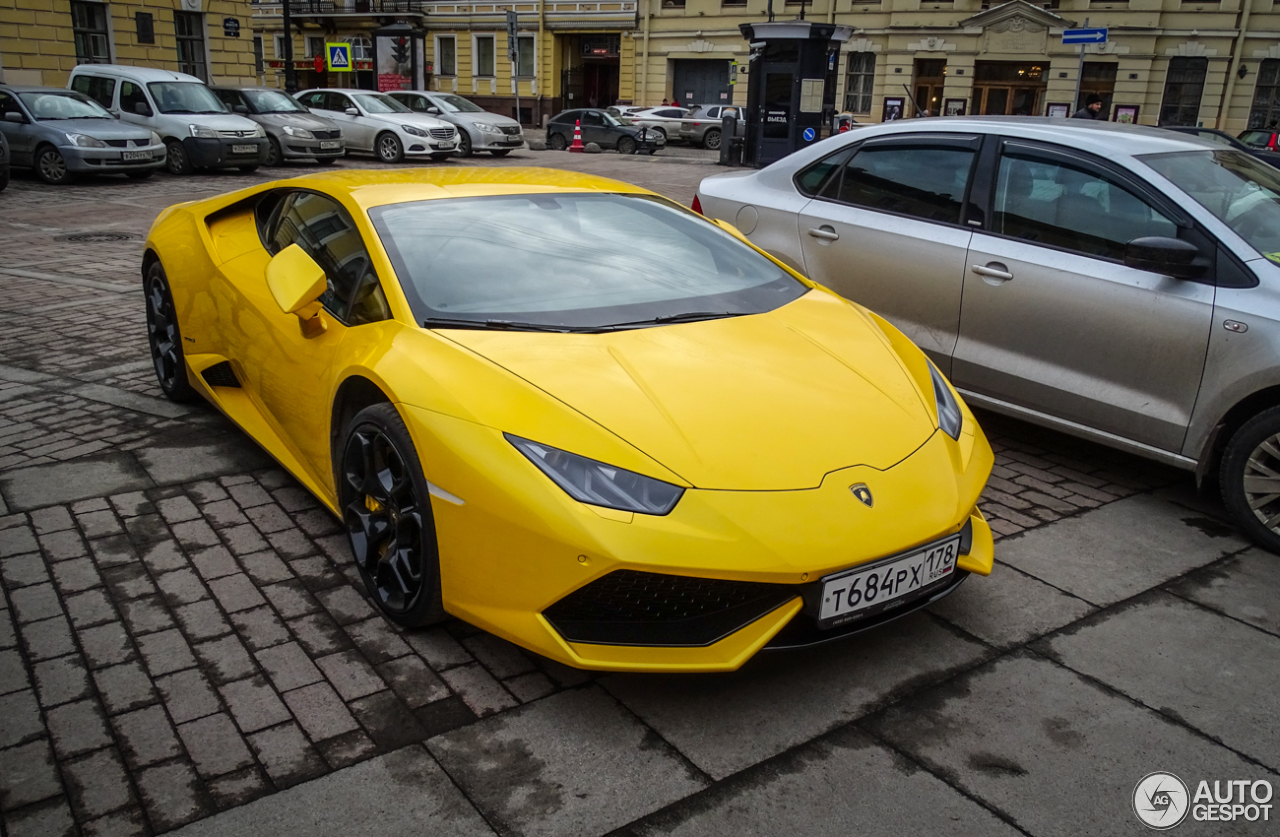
[1085, 36]
[809, 134]
[339, 57]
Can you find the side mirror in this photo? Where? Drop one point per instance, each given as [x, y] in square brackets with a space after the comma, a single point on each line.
[142, 109]
[1168, 256]
[296, 283]
[240, 109]
[351, 112]
[15, 117]
[433, 110]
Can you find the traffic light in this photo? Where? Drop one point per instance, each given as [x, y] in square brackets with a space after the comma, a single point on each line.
[513, 46]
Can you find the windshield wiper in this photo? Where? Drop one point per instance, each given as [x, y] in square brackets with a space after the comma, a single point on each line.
[686, 317]
[502, 325]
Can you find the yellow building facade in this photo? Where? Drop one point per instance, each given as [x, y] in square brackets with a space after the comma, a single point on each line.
[42, 40]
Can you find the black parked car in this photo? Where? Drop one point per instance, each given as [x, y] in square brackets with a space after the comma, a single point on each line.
[1223, 138]
[604, 129]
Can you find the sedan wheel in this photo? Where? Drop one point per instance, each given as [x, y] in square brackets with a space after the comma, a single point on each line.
[165, 338]
[626, 145]
[557, 142]
[711, 139]
[1250, 478]
[51, 167]
[389, 148]
[464, 144]
[275, 156]
[176, 159]
[387, 512]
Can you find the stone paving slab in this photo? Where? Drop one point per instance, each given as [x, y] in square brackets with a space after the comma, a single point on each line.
[1244, 587]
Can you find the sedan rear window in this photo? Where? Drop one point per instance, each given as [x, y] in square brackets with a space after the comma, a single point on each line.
[580, 261]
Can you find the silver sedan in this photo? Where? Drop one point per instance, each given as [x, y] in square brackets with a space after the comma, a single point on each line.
[1118, 283]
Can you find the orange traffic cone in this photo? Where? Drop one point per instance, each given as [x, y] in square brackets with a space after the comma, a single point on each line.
[577, 138]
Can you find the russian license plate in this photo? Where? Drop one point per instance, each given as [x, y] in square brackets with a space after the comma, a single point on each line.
[887, 583]
[329, 145]
[130, 156]
[244, 149]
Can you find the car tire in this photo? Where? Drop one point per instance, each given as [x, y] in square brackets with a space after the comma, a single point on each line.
[626, 145]
[51, 166]
[500, 152]
[711, 139]
[139, 175]
[165, 338]
[557, 142]
[464, 144]
[176, 159]
[1246, 463]
[389, 148]
[386, 510]
[275, 154]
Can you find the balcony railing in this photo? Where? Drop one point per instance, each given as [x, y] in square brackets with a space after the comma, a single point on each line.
[307, 8]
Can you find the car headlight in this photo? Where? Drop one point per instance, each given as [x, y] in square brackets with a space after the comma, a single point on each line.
[202, 132]
[85, 141]
[155, 138]
[300, 133]
[260, 131]
[417, 132]
[487, 128]
[949, 416]
[598, 484]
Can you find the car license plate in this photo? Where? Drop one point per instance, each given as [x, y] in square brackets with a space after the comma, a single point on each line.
[244, 149]
[887, 583]
[330, 145]
[128, 156]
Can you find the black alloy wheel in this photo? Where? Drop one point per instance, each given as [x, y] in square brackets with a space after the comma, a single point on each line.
[176, 159]
[626, 145]
[387, 512]
[557, 142]
[389, 148]
[275, 154]
[51, 167]
[165, 338]
[464, 144]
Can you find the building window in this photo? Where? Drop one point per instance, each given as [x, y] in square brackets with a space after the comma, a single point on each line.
[279, 46]
[146, 26]
[1099, 79]
[188, 27]
[447, 56]
[314, 47]
[1183, 89]
[484, 56]
[89, 27]
[733, 3]
[1266, 96]
[525, 59]
[861, 79]
[361, 47]
[259, 65]
[673, 4]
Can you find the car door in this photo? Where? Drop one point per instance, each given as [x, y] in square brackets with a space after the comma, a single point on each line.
[886, 229]
[1054, 321]
[21, 135]
[288, 371]
[362, 126]
[595, 130]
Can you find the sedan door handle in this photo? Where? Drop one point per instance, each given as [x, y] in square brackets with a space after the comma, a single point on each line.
[994, 270]
[825, 232]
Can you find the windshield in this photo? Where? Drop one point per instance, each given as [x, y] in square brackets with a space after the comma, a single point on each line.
[456, 104]
[272, 101]
[184, 97]
[610, 119]
[573, 260]
[1242, 192]
[378, 103]
[63, 106]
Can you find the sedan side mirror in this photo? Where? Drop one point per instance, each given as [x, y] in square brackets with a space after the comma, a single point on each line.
[15, 117]
[433, 110]
[297, 283]
[1168, 256]
[240, 109]
[351, 112]
[142, 109]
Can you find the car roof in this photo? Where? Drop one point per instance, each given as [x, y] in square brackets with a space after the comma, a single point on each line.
[142, 74]
[35, 88]
[1102, 138]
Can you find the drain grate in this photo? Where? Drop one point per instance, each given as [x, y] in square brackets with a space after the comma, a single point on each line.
[96, 237]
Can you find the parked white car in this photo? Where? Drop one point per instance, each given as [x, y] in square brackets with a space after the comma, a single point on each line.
[377, 124]
[197, 129]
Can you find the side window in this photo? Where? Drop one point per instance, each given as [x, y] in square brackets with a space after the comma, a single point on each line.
[9, 105]
[99, 89]
[326, 232]
[1074, 208]
[592, 118]
[811, 180]
[337, 102]
[230, 98]
[568, 116]
[131, 96]
[313, 100]
[915, 180]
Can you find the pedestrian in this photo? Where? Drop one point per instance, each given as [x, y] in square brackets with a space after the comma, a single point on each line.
[1092, 108]
[665, 103]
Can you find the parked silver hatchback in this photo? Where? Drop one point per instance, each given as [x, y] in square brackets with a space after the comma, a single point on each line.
[1114, 282]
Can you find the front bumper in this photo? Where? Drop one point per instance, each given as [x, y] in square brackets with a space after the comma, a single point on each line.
[291, 147]
[517, 545]
[111, 160]
[209, 153]
[422, 146]
[485, 141]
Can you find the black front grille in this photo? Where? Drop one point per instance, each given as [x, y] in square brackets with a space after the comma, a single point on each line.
[220, 375]
[627, 607]
[117, 143]
[510, 130]
[325, 135]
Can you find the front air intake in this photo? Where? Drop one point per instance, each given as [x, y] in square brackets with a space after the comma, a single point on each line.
[221, 375]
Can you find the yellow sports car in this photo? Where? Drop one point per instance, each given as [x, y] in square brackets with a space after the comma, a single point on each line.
[572, 412]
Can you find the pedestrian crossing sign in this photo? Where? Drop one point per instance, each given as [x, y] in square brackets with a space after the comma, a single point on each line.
[339, 57]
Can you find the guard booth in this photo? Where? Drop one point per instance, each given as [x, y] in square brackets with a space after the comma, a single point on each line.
[398, 58]
[791, 86]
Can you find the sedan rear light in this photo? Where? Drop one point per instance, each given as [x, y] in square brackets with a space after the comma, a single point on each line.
[697, 205]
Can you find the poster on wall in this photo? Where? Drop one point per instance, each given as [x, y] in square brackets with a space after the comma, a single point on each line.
[954, 107]
[1058, 110]
[1126, 113]
[395, 62]
[893, 108]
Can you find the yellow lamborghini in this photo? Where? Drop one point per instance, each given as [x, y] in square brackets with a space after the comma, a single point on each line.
[572, 412]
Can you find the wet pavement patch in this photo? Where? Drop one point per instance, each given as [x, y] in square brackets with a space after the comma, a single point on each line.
[66, 482]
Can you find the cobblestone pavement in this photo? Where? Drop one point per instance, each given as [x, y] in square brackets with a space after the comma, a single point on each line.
[182, 632]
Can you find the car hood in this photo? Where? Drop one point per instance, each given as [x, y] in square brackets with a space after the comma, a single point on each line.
[487, 118]
[763, 402]
[103, 129]
[294, 120]
[420, 120]
[216, 121]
